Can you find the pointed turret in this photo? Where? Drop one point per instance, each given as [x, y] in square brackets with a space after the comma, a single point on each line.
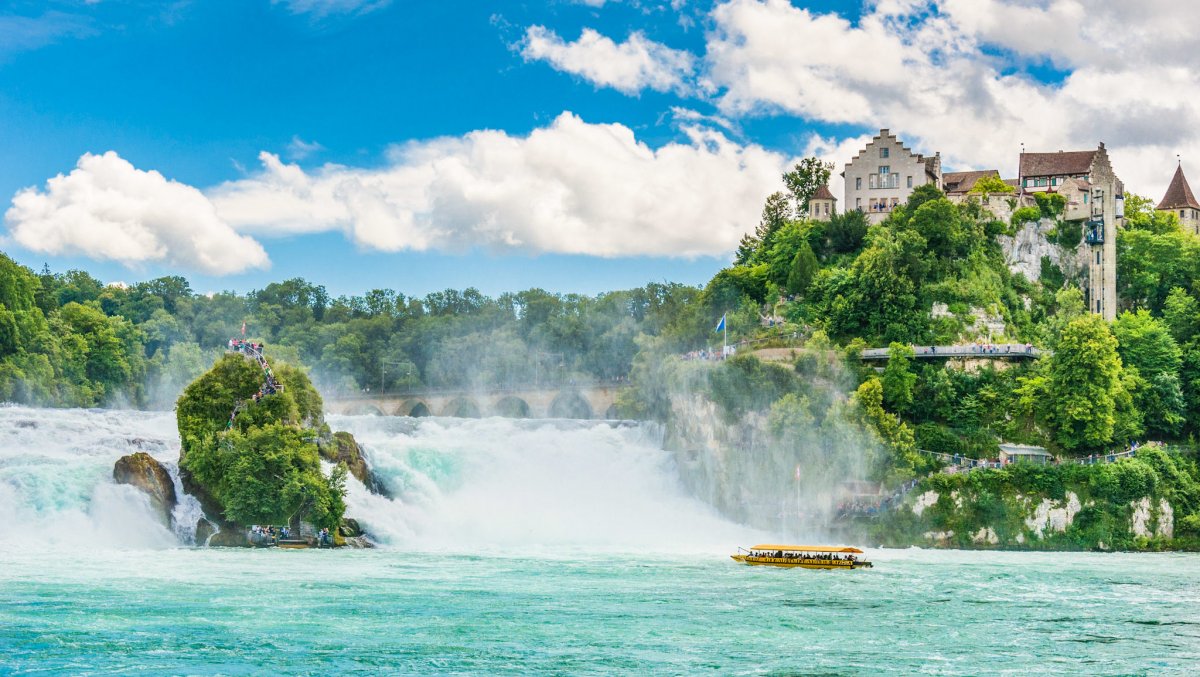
[822, 204]
[1180, 201]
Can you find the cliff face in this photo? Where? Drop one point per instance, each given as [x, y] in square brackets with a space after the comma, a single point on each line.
[714, 457]
[1023, 252]
[980, 517]
[790, 485]
[784, 470]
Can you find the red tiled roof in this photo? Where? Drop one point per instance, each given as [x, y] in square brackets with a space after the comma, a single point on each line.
[1179, 193]
[823, 194]
[1057, 164]
[963, 182]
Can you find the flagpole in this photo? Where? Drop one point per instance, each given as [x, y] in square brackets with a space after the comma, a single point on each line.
[725, 328]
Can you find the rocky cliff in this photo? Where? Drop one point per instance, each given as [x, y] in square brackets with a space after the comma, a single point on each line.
[141, 470]
[341, 447]
[1031, 508]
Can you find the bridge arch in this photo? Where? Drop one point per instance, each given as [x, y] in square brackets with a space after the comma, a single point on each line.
[364, 409]
[511, 406]
[570, 404]
[461, 407]
[611, 413]
[414, 408]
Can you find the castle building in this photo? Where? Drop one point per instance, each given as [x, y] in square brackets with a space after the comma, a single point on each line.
[1180, 201]
[1093, 193]
[822, 205]
[961, 187]
[957, 185]
[883, 175]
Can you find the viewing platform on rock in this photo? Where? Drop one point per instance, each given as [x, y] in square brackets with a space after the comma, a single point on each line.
[977, 351]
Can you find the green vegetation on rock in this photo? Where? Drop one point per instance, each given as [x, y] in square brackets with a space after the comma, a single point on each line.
[264, 468]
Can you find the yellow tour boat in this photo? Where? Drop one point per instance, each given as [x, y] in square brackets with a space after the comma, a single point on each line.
[802, 557]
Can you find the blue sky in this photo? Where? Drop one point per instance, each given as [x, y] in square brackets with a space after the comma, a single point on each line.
[424, 145]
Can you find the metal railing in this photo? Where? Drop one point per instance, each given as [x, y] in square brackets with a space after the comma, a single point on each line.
[977, 350]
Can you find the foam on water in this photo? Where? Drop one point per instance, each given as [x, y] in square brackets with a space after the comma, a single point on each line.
[493, 484]
[56, 486]
[503, 483]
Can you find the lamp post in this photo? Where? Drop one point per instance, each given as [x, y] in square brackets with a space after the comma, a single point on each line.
[383, 370]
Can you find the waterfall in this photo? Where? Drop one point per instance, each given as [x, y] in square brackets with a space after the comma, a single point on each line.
[501, 484]
[56, 486]
[508, 483]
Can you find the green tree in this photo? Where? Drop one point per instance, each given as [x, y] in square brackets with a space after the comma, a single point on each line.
[775, 215]
[990, 185]
[1141, 214]
[1146, 345]
[846, 231]
[804, 266]
[1085, 386]
[898, 378]
[1150, 265]
[805, 178]
[1181, 312]
[893, 432]
[263, 465]
[1144, 342]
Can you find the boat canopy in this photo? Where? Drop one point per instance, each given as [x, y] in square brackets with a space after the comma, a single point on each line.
[805, 548]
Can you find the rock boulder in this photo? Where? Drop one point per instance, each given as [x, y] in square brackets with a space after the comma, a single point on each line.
[141, 470]
[341, 447]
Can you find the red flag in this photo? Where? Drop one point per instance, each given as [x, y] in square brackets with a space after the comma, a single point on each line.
[243, 328]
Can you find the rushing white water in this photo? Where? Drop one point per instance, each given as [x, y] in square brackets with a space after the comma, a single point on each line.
[56, 486]
[501, 483]
[490, 484]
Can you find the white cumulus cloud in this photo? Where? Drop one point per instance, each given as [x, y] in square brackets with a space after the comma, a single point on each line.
[108, 209]
[572, 187]
[631, 66]
[951, 76]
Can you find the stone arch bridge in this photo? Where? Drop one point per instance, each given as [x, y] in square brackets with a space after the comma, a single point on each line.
[586, 402]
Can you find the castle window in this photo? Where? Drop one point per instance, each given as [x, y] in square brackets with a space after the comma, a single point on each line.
[858, 183]
[910, 182]
[883, 152]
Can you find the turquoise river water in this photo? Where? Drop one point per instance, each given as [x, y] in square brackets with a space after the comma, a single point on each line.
[522, 548]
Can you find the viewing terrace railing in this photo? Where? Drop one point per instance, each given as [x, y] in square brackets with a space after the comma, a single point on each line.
[978, 351]
[960, 461]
